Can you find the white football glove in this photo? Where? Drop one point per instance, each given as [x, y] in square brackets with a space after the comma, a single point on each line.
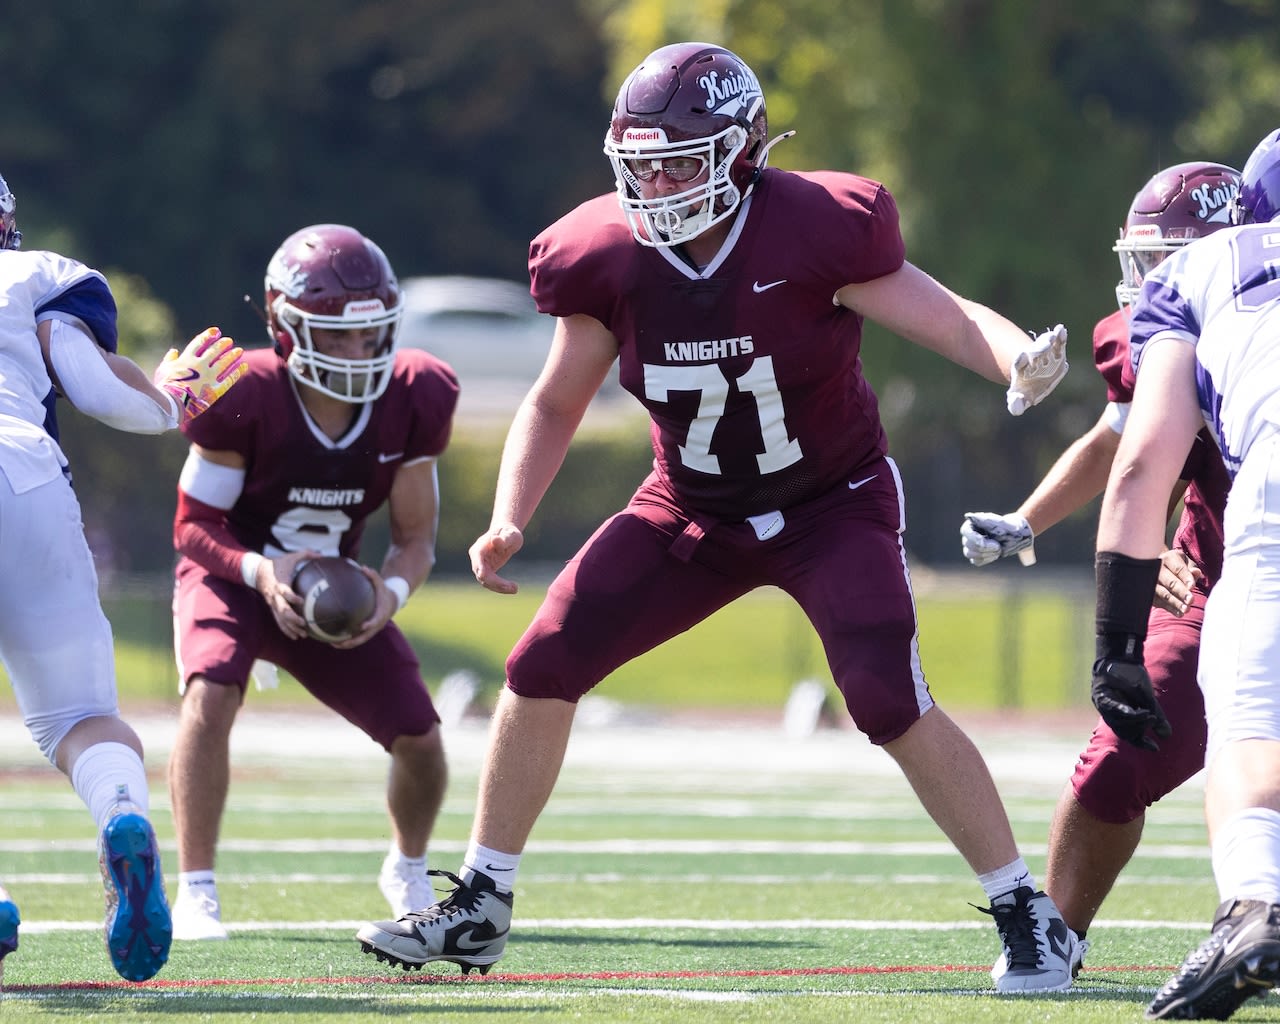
[1037, 370]
[986, 536]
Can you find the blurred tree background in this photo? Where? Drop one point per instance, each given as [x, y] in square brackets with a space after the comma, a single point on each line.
[174, 143]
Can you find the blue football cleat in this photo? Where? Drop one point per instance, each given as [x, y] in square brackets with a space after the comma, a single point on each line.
[9, 922]
[138, 927]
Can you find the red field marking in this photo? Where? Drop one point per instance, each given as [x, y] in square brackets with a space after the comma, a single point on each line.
[408, 978]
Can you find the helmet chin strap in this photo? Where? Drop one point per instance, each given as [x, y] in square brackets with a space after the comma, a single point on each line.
[763, 160]
[764, 154]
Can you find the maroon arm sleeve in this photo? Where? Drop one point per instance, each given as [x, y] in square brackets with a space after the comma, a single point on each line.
[201, 533]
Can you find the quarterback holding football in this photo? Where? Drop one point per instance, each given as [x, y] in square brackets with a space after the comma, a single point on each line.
[331, 422]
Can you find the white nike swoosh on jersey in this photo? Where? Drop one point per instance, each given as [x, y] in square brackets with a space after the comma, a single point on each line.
[758, 287]
[389, 456]
[854, 487]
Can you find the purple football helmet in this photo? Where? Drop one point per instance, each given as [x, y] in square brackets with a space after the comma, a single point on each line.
[1259, 199]
[10, 236]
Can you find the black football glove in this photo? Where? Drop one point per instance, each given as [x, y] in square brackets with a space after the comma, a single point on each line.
[1123, 696]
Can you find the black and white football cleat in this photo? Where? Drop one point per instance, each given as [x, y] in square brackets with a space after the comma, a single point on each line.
[1239, 960]
[468, 927]
[1039, 950]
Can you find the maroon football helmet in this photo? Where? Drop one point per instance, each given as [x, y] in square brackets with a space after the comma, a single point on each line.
[10, 236]
[1177, 206]
[688, 107]
[331, 276]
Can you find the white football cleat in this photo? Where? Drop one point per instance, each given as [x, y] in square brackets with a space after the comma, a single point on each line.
[197, 915]
[1078, 953]
[1039, 948]
[404, 888]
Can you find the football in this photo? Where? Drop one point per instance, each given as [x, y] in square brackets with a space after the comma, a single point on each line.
[337, 597]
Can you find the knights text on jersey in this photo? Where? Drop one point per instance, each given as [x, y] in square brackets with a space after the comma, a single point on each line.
[302, 489]
[750, 372]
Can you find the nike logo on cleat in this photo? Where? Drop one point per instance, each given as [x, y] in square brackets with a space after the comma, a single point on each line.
[1056, 933]
[466, 942]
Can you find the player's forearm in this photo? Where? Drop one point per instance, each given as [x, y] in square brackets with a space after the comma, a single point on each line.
[407, 565]
[990, 342]
[1076, 478]
[108, 387]
[201, 533]
[1132, 518]
[411, 553]
[130, 373]
[531, 458]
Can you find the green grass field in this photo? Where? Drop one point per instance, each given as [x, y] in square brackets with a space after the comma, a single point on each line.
[690, 870]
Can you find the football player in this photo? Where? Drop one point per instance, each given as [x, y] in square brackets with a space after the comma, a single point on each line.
[58, 331]
[1205, 342]
[330, 423]
[1099, 818]
[733, 296]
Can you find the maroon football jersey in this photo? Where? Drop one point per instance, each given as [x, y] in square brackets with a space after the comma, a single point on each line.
[750, 371]
[1199, 531]
[303, 490]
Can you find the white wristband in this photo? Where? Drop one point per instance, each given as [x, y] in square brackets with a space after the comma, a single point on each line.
[399, 586]
[249, 568]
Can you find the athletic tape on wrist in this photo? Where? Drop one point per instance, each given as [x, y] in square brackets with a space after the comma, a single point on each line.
[399, 586]
[249, 568]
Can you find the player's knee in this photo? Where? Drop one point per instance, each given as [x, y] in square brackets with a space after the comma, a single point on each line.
[541, 667]
[208, 705]
[50, 730]
[1119, 784]
[421, 753]
[1116, 782]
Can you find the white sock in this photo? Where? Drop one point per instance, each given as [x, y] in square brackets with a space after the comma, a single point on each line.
[1012, 876]
[1246, 856]
[412, 865]
[107, 774]
[198, 880]
[501, 867]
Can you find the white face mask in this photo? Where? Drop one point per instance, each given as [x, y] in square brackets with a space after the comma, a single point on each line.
[673, 219]
[349, 380]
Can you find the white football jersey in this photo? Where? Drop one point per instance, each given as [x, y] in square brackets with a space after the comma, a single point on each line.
[29, 282]
[1221, 294]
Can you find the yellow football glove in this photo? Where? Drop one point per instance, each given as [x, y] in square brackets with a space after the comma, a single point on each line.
[201, 374]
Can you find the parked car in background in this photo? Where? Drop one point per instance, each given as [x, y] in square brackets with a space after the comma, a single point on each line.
[490, 332]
